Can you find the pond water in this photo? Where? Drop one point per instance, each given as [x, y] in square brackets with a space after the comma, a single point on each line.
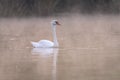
[89, 49]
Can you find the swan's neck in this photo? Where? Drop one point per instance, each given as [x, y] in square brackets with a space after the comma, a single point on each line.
[54, 36]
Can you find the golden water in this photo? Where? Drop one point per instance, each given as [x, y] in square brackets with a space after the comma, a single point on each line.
[89, 49]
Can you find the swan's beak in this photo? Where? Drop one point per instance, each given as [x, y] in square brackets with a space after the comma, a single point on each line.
[58, 23]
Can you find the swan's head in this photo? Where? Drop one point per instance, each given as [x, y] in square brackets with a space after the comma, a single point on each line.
[55, 22]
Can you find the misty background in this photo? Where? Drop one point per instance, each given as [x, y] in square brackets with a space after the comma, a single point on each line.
[89, 40]
[26, 8]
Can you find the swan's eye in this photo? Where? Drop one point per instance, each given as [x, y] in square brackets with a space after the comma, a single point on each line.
[57, 23]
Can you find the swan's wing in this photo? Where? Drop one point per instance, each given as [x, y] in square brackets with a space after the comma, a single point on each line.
[42, 43]
[35, 44]
[46, 43]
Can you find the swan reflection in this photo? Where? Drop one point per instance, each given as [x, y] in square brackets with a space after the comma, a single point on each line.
[47, 54]
[44, 51]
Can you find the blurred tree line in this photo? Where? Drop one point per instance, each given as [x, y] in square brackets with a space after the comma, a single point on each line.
[10, 8]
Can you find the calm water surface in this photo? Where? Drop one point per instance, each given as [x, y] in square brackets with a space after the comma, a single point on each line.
[89, 49]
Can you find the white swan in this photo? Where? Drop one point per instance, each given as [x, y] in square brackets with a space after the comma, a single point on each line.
[47, 43]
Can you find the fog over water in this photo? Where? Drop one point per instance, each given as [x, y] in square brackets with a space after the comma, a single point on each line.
[89, 48]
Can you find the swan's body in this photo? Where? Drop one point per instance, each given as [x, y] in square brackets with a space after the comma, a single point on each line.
[47, 43]
[43, 43]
